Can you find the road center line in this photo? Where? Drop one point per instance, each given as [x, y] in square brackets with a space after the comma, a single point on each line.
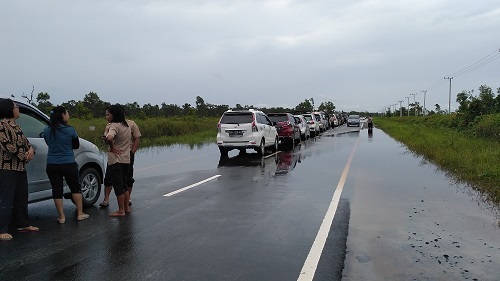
[191, 186]
[311, 263]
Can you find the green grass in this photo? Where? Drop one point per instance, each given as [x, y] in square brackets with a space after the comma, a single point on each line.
[158, 131]
[465, 157]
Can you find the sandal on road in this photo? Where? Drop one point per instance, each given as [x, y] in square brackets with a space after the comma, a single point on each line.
[104, 204]
[28, 229]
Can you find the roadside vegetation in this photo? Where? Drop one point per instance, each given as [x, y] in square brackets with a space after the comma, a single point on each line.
[465, 143]
[156, 131]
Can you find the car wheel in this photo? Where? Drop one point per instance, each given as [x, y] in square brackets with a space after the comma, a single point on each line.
[274, 148]
[261, 149]
[90, 185]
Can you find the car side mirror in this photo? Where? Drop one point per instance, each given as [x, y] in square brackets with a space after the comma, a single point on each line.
[274, 123]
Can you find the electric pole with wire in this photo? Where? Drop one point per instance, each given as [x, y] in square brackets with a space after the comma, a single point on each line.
[408, 109]
[449, 95]
[400, 111]
[414, 104]
[425, 92]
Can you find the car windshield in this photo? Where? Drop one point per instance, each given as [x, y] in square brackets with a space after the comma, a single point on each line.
[308, 117]
[354, 117]
[278, 118]
[237, 118]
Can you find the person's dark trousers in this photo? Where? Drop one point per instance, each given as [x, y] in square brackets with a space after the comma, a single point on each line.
[13, 199]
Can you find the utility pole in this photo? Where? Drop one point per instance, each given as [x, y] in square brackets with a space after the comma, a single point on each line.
[425, 110]
[414, 104]
[408, 109]
[449, 95]
[400, 111]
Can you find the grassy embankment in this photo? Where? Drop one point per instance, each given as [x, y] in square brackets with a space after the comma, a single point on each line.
[158, 131]
[461, 153]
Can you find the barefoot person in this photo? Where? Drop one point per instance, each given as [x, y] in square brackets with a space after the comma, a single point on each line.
[135, 139]
[61, 140]
[117, 136]
[15, 152]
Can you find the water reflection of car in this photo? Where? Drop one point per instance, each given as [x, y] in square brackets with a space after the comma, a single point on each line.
[353, 120]
[305, 133]
[242, 159]
[286, 162]
[90, 160]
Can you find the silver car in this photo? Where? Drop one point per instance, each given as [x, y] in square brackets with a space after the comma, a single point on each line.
[91, 162]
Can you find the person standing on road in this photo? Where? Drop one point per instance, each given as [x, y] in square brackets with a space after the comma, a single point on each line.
[117, 136]
[15, 153]
[370, 123]
[61, 140]
[135, 141]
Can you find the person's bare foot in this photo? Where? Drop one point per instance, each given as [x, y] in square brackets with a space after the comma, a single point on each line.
[127, 210]
[5, 236]
[117, 214]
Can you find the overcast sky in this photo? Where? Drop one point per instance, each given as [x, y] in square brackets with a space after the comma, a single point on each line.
[360, 55]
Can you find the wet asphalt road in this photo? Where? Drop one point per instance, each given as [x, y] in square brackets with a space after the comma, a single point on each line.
[397, 217]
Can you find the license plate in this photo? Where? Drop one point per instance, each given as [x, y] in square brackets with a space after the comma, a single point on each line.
[235, 133]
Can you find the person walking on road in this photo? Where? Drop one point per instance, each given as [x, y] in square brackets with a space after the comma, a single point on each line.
[61, 165]
[15, 152]
[117, 136]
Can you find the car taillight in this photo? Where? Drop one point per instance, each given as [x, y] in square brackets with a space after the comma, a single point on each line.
[218, 128]
[254, 127]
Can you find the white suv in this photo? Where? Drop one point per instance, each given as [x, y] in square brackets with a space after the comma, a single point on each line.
[242, 129]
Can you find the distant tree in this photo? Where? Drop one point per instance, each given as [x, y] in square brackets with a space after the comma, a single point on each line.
[151, 110]
[81, 111]
[327, 107]
[43, 102]
[29, 98]
[304, 106]
[94, 104]
[438, 107]
[188, 110]
[132, 109]
[170, 110]
[201, 107]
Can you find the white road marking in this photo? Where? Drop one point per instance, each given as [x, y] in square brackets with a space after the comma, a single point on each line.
[311, 263]
[191, 186]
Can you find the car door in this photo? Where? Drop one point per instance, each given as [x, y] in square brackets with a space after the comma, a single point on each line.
[271, 130]
[32, 125]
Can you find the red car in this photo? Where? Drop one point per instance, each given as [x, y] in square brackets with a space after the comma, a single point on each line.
[288, 129]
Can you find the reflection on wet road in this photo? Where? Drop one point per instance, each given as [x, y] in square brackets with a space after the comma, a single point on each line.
[251, 218]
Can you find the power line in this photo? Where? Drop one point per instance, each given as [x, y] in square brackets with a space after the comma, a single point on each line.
[480, 63]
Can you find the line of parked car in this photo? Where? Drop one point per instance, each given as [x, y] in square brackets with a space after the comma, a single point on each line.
[253, 129]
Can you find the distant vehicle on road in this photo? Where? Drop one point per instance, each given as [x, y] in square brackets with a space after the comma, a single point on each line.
[353, 120]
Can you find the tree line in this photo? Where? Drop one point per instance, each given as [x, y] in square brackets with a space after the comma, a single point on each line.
[470, 106]
[93, 107]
